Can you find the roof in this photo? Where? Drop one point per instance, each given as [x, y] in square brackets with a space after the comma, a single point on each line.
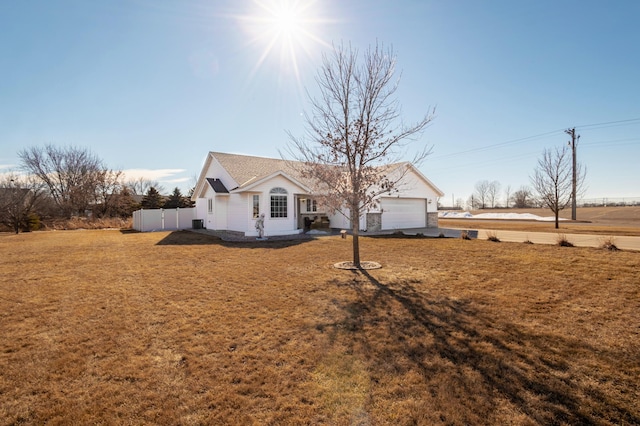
[246, 169]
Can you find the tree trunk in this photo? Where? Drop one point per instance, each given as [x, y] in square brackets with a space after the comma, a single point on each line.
[557, 212]
[356, 247]
[355, 228]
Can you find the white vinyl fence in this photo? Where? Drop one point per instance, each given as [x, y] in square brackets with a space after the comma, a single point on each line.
[163, 219]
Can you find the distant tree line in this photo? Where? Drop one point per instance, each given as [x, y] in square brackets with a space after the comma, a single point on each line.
[552, 182]
[65, 182]
[487, 195]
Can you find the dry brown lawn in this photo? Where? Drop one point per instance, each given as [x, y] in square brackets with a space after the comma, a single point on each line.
[104, 327]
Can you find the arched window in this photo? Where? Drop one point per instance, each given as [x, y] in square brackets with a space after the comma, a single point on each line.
[278, 202]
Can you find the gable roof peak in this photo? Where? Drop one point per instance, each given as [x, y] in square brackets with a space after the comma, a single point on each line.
[247, 169]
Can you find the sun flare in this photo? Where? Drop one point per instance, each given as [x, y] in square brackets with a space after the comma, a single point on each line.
[286, 22]
[286, 30]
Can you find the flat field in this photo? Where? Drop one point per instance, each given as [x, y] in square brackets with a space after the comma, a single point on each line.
[590, 220]
[106, 327]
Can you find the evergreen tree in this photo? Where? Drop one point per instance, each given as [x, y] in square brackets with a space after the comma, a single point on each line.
[152, 199]
[176, 199]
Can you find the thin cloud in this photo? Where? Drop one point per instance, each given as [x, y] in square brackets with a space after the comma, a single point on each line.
[166, 175]
[177, 180]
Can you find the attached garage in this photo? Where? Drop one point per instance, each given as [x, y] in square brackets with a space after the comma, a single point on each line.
[402, 213]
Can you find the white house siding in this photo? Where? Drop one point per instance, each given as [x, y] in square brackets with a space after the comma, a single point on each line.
[216, 170]
[220, 211]
[338, 221]
[201, 211]
[237, 212]
[216, 219]
[273, 226]
[341, 221]
[414, 187]
[251, 221]
[202, 208]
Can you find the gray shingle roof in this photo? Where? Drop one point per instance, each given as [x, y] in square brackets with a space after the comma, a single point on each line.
[245, 169]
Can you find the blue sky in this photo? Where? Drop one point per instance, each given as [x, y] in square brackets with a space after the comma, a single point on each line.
[150, 86]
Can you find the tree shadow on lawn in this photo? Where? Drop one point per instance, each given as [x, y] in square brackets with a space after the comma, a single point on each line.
[471, 364]
[187, 238]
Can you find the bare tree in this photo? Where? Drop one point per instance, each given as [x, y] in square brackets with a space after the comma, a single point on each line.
[492, 193]
[19, 199]
[553, 179]
[72, 175]
[471, 203]
[108, 189]
[481, 194]
[523, 198]
[141, 185]
[355, 128]
[507, 196]
[122, 204]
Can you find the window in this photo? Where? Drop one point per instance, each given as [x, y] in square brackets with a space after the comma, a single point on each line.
[210, 205]
[312, 205]
[256, 206]
[308, 205]
[278, 202]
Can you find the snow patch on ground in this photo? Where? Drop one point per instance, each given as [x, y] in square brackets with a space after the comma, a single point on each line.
[502, 216]
[317, 232]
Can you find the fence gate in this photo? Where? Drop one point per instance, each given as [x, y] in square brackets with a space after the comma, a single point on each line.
[163, 219]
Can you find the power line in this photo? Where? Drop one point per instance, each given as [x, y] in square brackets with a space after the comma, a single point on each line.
[497, 145]
[479, 164]
[612, 142]
[593, 126]
[609, 123]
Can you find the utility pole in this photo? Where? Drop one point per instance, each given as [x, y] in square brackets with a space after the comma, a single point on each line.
[572, 144]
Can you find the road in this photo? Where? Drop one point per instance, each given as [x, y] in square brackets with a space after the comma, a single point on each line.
[578, 240]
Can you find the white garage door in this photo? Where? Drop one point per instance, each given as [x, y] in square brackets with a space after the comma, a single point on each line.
[402, 213]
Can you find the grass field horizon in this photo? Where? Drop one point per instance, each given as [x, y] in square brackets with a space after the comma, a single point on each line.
[590, 220]
[109, 327]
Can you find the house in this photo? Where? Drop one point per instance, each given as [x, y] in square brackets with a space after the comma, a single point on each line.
[233, 190]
